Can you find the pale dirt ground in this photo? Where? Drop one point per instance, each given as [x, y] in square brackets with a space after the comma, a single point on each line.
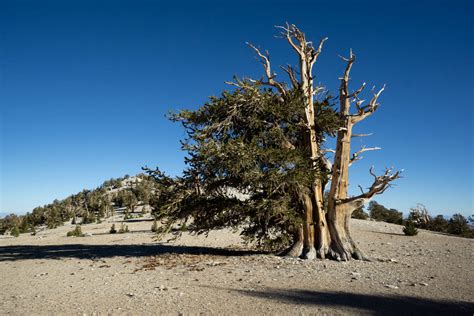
[105, 274]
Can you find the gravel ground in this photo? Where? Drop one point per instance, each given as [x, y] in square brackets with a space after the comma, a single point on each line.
[131, 274]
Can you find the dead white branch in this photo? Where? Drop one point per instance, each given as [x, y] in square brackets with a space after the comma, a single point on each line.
[356, 156]
[265, 60]
[365, 111]
[362, 135]
[380, 184]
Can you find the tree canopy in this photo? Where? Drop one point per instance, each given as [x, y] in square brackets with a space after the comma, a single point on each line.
[247, 161]
[257, 160]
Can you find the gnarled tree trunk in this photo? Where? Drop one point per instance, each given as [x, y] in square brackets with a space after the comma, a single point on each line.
[326, 232]
[340, 205]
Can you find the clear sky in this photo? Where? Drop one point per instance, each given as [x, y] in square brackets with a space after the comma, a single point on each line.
[85, 85]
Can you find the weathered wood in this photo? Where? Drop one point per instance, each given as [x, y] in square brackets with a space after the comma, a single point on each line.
[340, 205]
[326, 232]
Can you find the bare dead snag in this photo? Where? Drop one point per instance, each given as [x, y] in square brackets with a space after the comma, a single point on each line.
[340, 205]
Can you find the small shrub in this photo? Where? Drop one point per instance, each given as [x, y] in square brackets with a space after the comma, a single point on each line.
[89, 218]
[77, 232]
[382, 214]
[123, 229]
[154, 227]
[438, 224]
[468, 234]
[112, 229]
[15, 231]
[458, 225]
[360, 214]
[410, 229]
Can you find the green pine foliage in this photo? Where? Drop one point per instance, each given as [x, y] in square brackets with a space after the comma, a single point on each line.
[90, 205]
[410, 229]
[379, 212]
[458, 225]
[234, 144]
[360, 213]
[76, 232]
[112, 229]
[439, 224]
[15, 232]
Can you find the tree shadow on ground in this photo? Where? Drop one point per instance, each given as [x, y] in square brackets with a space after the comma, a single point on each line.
[367, 303]
[82, 251]
[386, 233]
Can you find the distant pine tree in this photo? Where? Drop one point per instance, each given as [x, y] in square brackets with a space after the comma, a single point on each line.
[15, 231]
[154, 227]
[77, 232]
[123, 229]
[112, 229]
[410, 228]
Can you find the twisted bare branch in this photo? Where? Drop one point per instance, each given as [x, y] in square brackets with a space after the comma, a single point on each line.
[290, 31]
[356, 156]
[291, 74]
[365, 111]
[265, 60]
[362, 135]
[380, 184]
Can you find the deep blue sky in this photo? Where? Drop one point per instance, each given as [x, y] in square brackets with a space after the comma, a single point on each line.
[84, 86]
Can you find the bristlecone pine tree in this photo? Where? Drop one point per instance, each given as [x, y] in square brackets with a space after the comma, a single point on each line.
[258, 162]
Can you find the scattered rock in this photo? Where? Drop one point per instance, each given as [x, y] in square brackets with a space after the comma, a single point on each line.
[130, 294]
[424, 284]
[391, 286]
[215, 263]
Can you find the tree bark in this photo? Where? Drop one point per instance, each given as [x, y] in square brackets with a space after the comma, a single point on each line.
[309, 250]
[342, 246]
[324, 232]
[323, 238]
[340, 205]
[296, 250]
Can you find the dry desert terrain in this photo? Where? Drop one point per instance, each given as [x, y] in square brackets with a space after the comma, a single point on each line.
[132, 274]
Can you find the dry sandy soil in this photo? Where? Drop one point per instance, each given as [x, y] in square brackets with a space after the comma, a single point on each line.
[131, 274]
